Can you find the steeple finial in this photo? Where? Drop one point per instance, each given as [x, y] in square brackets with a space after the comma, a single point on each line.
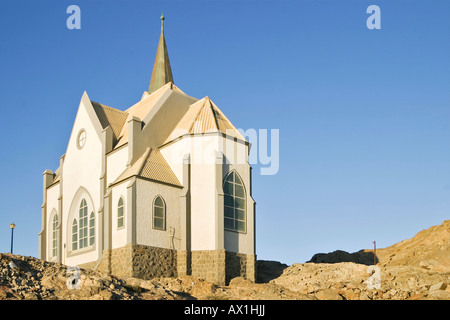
[162, 73]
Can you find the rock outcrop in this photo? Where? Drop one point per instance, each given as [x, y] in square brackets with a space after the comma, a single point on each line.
[351, 281]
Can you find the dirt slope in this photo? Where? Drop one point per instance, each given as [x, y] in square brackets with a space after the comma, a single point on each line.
[429, 249]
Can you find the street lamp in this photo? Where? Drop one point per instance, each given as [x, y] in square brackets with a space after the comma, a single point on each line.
[12, 225]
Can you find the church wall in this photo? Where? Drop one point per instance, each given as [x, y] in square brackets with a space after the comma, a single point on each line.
[236, 154]
[203, 192]
[81, 177]
[119, 234]
[146, 192]
[52, 205]
[202, 149]
[173, 153]
[116, 163]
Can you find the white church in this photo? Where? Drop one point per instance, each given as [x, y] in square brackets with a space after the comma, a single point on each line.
[162, 188]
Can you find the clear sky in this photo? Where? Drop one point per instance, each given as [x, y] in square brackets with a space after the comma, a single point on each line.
[363, 115]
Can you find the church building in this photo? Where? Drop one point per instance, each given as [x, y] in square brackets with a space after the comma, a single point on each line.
[162, 188]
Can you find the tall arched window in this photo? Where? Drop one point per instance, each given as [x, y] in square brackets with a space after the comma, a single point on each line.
[234, 202]
[74, 234]
[159, 214]
[55, 235]
[83, 227]
[83, 224]
[120, 213]
[91, 229]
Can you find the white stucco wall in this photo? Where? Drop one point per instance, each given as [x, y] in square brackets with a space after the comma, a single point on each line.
[236, 153]
[203, 198]
[173, 153]
[81, 178]
[116, 163]
[51, 207]
[203, 191]
[119, 235]
[146, 192]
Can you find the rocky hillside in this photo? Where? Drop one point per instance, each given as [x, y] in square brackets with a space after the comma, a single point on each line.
[428, 249]
[417, 268]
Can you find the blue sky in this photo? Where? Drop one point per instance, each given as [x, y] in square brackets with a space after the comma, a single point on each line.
[363, 115]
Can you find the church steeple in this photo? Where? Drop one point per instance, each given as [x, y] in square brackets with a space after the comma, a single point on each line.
[162, 73]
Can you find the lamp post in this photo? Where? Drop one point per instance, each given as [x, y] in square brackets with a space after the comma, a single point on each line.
[374, 253]
[12, 225]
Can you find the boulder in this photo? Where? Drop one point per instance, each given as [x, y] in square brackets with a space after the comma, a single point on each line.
[438, 286]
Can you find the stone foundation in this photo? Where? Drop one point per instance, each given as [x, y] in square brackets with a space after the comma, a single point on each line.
[138, 261]
[239, 265]
[220, 266]
[146, 262]
[184, 262]
[209, 265]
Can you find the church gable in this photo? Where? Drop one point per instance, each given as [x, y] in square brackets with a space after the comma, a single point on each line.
[87, 129]
[82, 162]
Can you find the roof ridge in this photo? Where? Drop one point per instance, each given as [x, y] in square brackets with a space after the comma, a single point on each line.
[149, 151]
[211, 106]
[225, 119]
[108, 107]
[198, 113]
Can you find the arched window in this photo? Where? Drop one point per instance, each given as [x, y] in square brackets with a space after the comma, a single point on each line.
[55, 235]
[83, 227]
[159, 214]
[120, 213]
[234, 202]
[91, 229]
[74, 234]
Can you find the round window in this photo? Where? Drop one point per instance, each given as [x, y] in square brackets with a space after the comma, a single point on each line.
[81, 141]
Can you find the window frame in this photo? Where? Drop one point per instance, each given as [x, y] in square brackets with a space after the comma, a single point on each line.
[120, 217]
[75, 235]
[235, 203]
[83, 225]
[83, 229]
[55, 226]
[91, 229]
[154, 217]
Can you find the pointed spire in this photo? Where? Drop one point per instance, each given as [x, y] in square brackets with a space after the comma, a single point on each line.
[162, 73]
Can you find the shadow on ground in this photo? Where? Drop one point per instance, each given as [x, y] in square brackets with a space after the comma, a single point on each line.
[267, 270]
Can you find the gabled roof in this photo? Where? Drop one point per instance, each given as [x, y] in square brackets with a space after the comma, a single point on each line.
[204, 116]
[151, 165]
[156, 168]
[144, 107]
[110, 117]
